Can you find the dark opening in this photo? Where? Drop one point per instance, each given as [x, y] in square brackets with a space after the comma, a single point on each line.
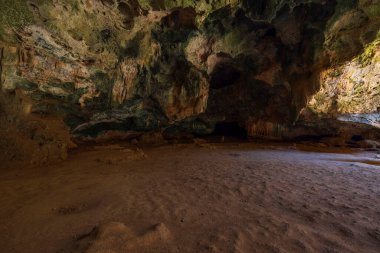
[230, 129]
[357, 137]
[128, 14]
[124, 9]
[105, 34]
[108, 2]
[181, 18]
[224, 75]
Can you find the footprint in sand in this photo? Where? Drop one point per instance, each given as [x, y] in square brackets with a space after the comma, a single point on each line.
[115, 237]
[375, 234]
[343, 230]
[76, 208]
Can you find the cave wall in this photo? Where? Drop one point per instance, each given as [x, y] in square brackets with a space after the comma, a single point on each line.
[29, 137]
[139, 65]
[351, 88]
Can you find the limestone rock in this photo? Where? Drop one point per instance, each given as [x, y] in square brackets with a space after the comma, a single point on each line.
[169, 66]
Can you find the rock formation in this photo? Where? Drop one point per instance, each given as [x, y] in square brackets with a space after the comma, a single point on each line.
[183, 66]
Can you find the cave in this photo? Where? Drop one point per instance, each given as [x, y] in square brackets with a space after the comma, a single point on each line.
[190, 126]
[230, 129]
[223, 75]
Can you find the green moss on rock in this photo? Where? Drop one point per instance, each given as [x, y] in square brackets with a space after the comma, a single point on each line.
[369, 52]
[371, 8]
[15, 13]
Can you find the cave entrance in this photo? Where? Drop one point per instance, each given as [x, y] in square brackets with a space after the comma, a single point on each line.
[224, 75]
[230, 129]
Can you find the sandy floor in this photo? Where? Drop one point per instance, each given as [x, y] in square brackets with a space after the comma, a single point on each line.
[183, 198]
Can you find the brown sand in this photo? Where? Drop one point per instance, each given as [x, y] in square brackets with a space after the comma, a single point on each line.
[186, 198]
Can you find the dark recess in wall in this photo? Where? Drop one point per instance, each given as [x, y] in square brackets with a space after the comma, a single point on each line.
[224, 75]
[230, 129]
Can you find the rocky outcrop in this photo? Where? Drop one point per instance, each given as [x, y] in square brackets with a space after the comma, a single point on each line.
[178, 66]
[353, 87]
[28, 137]
[347, 105]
